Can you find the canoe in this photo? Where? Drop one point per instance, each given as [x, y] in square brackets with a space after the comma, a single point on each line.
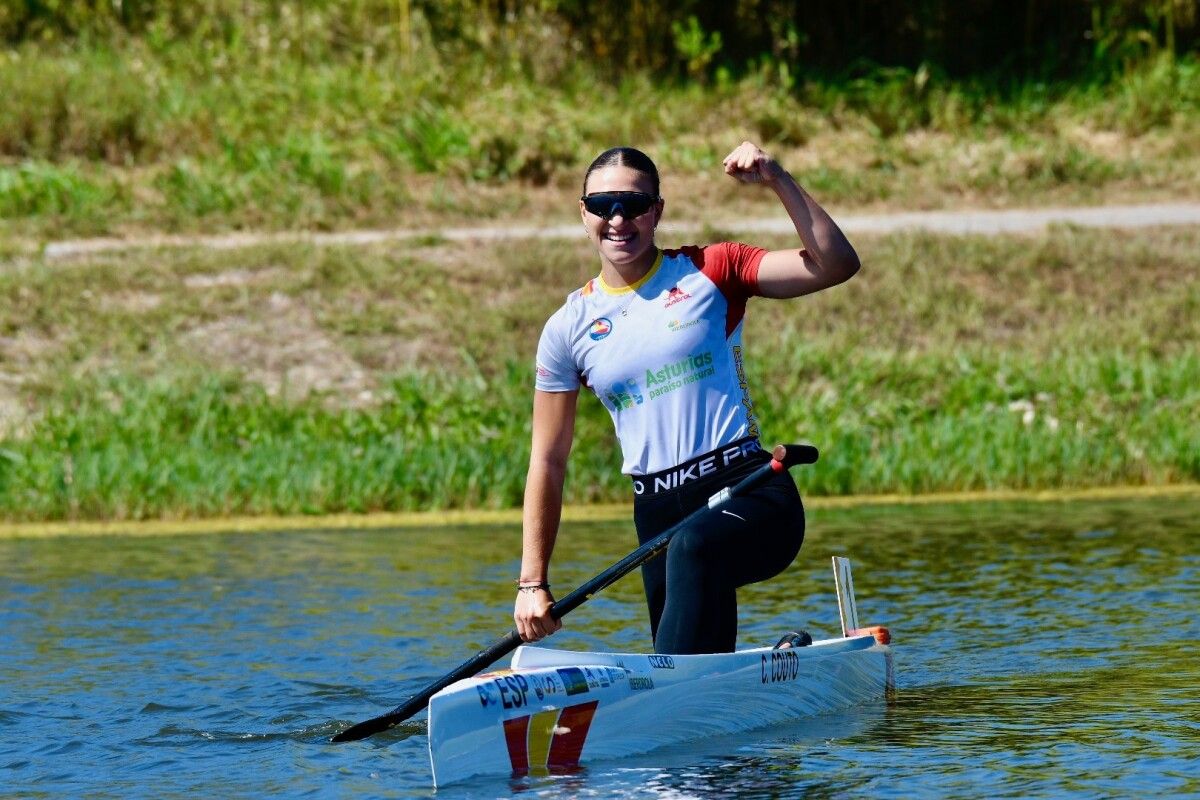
[552, 710]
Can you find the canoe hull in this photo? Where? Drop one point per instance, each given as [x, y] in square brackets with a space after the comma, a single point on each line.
[553, 709]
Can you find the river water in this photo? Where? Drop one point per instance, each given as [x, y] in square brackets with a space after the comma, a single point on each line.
[1042, 650]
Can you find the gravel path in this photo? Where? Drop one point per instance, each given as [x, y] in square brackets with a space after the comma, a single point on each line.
[1025, 220]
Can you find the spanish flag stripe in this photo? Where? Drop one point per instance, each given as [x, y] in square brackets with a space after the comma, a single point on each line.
[573, 727]
[514, 736]
[541, 731]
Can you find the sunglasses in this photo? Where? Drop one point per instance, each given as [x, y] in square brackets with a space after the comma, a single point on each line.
[629, 205]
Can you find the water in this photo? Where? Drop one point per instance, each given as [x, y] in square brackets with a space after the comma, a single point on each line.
[1042, 650]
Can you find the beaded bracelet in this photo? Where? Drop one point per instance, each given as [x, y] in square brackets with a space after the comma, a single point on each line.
[532, 587]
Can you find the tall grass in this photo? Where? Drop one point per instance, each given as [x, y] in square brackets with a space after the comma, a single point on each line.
[323, 115]
[198, 446]
[686, 37]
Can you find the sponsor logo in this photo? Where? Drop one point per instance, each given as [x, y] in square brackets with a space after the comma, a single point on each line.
[543, 686]
[573, 680]
[488, 696]
[601, 327]
[676, 375]
[751, 420]
[784, 665]
[597, 678]
[549, 740]
[510, 691]
[638, 683]
[542, 372]
[676, 295]
[699, 469]
[661, 662]
[624, 394]
[676, 325]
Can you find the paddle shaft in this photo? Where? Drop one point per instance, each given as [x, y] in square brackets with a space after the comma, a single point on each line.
[784, 457]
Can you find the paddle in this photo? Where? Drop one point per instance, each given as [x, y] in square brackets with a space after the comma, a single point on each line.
[783, 457]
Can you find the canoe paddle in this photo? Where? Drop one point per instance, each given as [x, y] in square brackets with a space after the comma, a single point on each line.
[783, 457]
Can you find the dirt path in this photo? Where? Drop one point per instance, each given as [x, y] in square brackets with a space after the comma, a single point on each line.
[986, 222]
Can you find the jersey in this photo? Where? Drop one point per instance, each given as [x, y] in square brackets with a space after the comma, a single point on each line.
[664, 355]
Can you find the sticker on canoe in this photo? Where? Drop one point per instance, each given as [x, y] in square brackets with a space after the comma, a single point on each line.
[510, 691]
[548, 740]
[784, 665]
[598, 677]
[573, 680]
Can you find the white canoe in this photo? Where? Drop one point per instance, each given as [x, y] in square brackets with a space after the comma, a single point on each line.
[553, 709]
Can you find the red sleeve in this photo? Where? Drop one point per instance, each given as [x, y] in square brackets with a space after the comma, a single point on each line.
[733, 267]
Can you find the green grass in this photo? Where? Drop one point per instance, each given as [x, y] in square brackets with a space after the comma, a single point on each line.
[310, 380]
[200, 446]
[141, 135]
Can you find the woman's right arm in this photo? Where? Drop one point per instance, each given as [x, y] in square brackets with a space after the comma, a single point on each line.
[553, 432]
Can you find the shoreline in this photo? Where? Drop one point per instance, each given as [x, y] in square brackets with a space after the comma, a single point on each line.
[611, 512]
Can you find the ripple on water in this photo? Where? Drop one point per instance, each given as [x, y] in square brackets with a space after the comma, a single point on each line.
[61, 748]
[160, 708]
[13, 717]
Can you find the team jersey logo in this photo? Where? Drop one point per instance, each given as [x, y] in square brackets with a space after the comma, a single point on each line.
[600, 328]
[679, 325]
[676, 295]
[624, 394]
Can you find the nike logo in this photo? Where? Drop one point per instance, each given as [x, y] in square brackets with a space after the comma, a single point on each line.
[730, 513]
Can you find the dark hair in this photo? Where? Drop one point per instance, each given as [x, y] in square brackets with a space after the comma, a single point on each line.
[630, 157]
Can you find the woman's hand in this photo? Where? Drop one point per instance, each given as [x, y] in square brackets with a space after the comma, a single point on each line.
[532, 615]
[749, 164]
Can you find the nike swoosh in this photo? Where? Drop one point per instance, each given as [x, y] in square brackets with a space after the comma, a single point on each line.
[730, 513]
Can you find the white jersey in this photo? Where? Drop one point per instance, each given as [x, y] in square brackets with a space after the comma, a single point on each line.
[664, 355]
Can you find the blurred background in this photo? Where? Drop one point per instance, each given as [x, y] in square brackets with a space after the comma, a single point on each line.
[155, 377]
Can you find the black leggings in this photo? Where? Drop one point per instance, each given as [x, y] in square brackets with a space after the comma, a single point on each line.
[691, 590]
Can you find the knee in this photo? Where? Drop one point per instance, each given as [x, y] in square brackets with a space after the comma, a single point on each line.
[689, 550]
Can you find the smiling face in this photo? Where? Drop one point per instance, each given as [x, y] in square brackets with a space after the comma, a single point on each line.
[622, 242]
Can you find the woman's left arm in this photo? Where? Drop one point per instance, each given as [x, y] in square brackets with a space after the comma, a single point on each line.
[827, 258]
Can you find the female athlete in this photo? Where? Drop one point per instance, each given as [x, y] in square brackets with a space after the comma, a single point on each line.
[656, 336]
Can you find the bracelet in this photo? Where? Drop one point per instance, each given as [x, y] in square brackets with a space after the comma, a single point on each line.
[533, 587]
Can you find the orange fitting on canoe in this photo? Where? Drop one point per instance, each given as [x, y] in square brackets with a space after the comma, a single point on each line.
[882, 634]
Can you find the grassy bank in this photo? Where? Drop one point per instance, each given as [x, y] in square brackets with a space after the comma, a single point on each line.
[127, 135]
[398, 378]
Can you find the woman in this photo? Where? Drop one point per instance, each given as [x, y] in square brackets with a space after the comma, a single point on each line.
[657, 337]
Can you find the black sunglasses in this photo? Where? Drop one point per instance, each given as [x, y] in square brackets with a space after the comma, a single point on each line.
[629, 205]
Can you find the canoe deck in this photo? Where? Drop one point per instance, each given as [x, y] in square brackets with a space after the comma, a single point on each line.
[553, 709]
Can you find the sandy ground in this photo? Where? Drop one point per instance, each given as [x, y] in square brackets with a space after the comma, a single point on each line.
[965, 221]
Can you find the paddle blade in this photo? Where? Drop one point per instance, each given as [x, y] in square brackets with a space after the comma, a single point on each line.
[484, 658]
[362, 730]
[381, 723]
